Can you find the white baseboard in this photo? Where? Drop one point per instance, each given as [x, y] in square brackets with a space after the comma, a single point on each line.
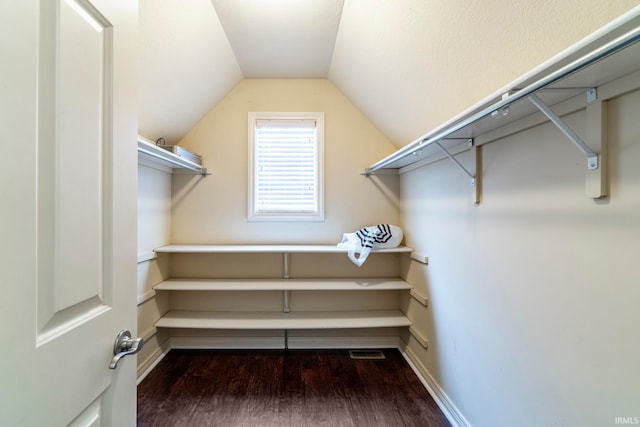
[449, 409]
[150, 362]
[342, 342]
[227, 343]
[295, 342]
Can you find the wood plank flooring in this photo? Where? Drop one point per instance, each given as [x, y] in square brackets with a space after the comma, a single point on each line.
[284, 388]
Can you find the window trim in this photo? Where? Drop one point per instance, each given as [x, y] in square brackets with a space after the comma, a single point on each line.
[252, 214]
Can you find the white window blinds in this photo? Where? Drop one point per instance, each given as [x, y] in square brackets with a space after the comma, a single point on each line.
[286, 168]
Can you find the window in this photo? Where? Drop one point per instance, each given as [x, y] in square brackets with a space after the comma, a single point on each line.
[285, 181]
[285, 166]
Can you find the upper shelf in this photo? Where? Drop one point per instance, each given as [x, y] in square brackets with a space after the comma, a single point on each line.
[208, 249]
[606, 55]
[155, 154]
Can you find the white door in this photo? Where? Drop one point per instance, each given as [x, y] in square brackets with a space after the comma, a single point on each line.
[68, 198]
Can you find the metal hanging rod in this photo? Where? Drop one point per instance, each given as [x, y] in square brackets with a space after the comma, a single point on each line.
[592, 57]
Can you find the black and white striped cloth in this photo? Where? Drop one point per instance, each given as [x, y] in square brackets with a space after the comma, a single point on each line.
[369, 236]
[361, 242]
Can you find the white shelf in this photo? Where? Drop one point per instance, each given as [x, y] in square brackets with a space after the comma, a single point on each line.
[582, 77]
[151, 152]
[193, 249]
[285, 319]
[278, 320]
[374, 284]
[599, 59]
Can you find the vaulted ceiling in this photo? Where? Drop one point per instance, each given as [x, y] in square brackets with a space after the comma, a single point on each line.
[408, 65]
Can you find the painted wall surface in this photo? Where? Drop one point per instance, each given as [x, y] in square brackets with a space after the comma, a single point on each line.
[185, 66]
[214, 209]
[410, 65]
[154, 209]
[533, 317]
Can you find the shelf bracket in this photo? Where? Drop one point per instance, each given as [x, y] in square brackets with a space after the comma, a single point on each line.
[285, 293]
[596, 180]
[592, 157]
[475, 179]
[285, 265]
[285, 301]
[449, 155]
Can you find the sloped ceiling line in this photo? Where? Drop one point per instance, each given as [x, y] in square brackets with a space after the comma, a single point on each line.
[408, 65]
[289, 39]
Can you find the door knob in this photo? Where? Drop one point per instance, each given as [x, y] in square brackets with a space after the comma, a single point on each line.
[124, 346]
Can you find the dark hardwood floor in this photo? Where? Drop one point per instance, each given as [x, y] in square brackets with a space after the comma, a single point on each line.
[284, 388]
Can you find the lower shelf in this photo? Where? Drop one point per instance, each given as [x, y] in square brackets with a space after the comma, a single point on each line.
[279, 320]
[282, 284]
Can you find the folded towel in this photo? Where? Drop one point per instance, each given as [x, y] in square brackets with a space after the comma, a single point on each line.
[364, 240]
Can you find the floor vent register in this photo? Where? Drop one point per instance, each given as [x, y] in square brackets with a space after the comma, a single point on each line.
[366, 354]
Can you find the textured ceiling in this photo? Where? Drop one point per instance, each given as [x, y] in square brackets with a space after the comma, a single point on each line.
[408, 65]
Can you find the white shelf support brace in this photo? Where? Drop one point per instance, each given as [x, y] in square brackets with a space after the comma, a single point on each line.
[449, 155]
[285, 293]
[596, 180]
[475, 179]
[592, 157]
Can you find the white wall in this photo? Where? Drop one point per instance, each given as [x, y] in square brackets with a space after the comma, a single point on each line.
[154, 222]
[185, 66]
[154, 207]
[533, 317]
[214, 209]
[410, 65]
